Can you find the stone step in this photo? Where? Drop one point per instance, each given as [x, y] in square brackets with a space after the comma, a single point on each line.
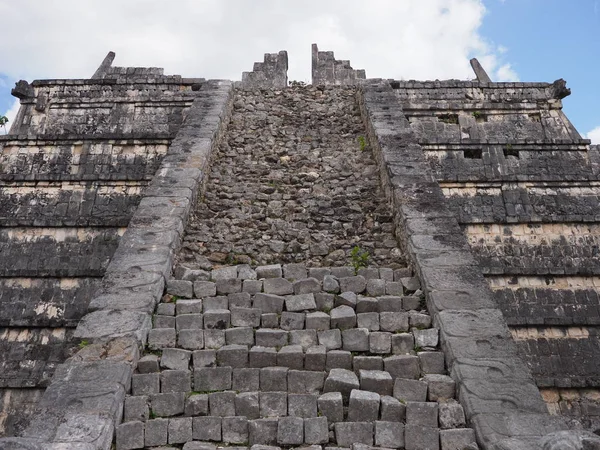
[60, 204]
[80, 160]
[57, 252]
[45, 302]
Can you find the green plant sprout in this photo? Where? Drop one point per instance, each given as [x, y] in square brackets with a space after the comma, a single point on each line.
[359, 257]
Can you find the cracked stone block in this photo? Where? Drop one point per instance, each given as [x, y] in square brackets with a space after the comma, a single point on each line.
[136, 408]
[403, 343]
[270, 320]
[368, 320]
[356, 284]
[319, 272]
[246, 380]
[366, 305]
[294, 271]
[291, 321]
[273, 379]
[324, 301]
[234, 430]
[338, 359]
[247, 405]
[188, 306]
[387, 274]
[245, 317]
[268, 337]
[302, 405]
[269, 303]
[206, 428]
[222, 404]
[252, 286]
[164, 322]
[418, 437]
[245, 272]
[392, 410]
[301, 302]
[156, 432]
[315, 358]
[419, 320]
[330, 339]
[330, 284]
[277, 286]
[290, 431]
[130, 435]
[389, 434]
[355, 340]
[424, 414]
[341, 380]
[316, 431]
[224, 273]
[216, 303]
[175, 358]
[370, 273]
[263, 431]
[273, 404]
[291, 356]
[458, 439]
[305, 382]
[426, 338]
[239, 300]
[229, 286]
[180, 430]
[159, 338]
[410, 390]
[343, 271]
[380, 342]
[363, 406]
[175, 381]
[402, 273]
[375, 287]
[367, 363]
[145, 384]
[240, 336]
[262, 356]
[402, 366]
[214, 339]
[189, 321]
[303, 338]
[269, 271]
[441, 387]
[394, 288]
[165, 309]
[191, 339]
[411, 284]
[394, 322]
[376, 381]
[307, 286]
[233, 356]
[331, 405]
[451, 415]
[346, 299]
[432, 362]
[217, 319]
[180, 288]
[204, 358]
[350, 433]
[317, 321]
[167, 405]
[212, 379]
[196, 405]
[390, 303]
[343, 317]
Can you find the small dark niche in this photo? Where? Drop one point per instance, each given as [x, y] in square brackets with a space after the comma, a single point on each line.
[473, 153]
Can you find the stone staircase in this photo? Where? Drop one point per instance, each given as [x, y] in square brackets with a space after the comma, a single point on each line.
[291, 319]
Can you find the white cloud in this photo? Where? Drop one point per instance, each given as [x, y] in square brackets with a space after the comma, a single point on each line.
[11, 114]
[221, 38]
[594, 135]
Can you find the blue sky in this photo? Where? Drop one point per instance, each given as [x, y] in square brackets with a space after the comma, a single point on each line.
[528, 40]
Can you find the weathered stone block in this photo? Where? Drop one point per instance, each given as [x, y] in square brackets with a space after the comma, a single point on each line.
[206, 428]
[245, 317]
[331, 284]
[457, 439]
[346, 299]
[366, 305]
[180, 288]
[217, 319]
[302, 405]
[175, 381]
[136, 408]
[403, 343]
[270, 271]
[240, 336]
[363, 406]
[165, 309]
[315, 357]
[175, 358]
[262, 356]
[191, 339]
[196, 405]
[402, 366]
[418, 437]
[341, 380]
[145, 384]
[295, 271]
[277, 286]
[441, 387]
[239, 300]
[290, 431]
[167, 405]
[189, 322]
[451, 415]
[324, 301]
[338, 359]
[180, 430]
[343, 317]
[130, 435]
[269, 320]
[220, 302]
[394, 288]
[273, 404]
[212, 379]
[375, 287]
[380, 342]
[350, 433]
[273, 379]
[292, 321]
[224, 273]
[317, 321]
[268, 303]
[222, 404]
[291, 356]
[390, 303]
[426, 338]
[252, 286]
[355, 284]
[410, 390]
[307, 286]
[394, 322]
[159, 338]
[316, 431]
[205, 289]
[229, 286]
[366, 363]
[247, 405]
[156, 432]
[368, 320]
[423, 414]
[164, 321]
[214, 339]
[204, 358]
[331, 406]
[303, 338]
[305, 382]
[263, 431]
[355, 340]
[234, 430]
[301, 302]
[419, 320]
[233, 356]
[376, 381]
[392, 410]
[268, 337]
[389, 434]
[246, 380]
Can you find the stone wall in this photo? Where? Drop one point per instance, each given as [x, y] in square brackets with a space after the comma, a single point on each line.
[271, 73]
[328, 70]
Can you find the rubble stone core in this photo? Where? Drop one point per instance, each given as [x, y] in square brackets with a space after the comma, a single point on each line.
[351, 264]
